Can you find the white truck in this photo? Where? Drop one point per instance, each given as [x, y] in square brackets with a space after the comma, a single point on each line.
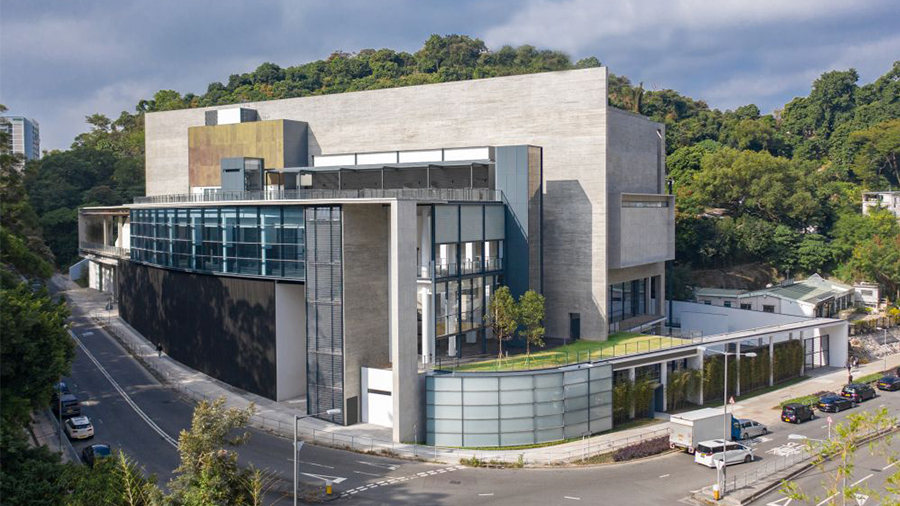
[692, 428]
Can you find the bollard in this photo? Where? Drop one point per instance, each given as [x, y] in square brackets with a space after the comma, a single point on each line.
[328, 487]
[716, 495]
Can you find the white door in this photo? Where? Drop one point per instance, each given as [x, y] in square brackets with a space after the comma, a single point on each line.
[380, 409]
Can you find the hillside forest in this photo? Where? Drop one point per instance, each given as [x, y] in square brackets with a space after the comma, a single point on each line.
[781, 190]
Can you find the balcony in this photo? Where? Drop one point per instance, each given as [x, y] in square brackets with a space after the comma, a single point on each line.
[445, 269]
[426, 194]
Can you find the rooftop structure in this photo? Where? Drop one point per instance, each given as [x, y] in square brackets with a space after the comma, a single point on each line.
[813, 297]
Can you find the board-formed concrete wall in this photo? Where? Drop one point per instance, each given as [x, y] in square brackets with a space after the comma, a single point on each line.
[508, 409]
[562, 112]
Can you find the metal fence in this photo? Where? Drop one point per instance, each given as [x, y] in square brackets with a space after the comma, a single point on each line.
[283, 425]
[103, 249]
[460, 194]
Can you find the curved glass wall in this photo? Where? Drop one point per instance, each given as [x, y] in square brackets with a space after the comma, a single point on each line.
[249, 240]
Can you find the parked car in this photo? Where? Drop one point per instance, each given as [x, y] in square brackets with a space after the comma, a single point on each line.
[708, 452]
[858, 392]
[67, 406]
[797, 413]
[889, 383]
[747, 429]
[92, 453]
[834, 403]
[79, 427]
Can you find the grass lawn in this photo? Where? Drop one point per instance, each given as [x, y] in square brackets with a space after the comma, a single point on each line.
[618, 344]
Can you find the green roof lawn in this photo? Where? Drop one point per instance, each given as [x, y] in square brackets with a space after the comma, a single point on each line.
[618, 344]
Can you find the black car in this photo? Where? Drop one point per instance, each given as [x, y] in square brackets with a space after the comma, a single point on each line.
[796, 413]
[889, 382]
[92, 453]
[67, 406]
[858, 392]
[834, 403]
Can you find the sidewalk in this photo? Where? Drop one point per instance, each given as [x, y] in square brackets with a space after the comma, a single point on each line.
[278, 417]
[45, 431]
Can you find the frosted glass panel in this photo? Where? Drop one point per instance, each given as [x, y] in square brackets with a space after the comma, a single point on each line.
[447, 397]
[481, 440]
[516, 410]
[447, 411]
[574, 417]
[446, 224]
[516, 382]
[548, 380]
[448, 384]
[517, 397]
[480, 384]
[576, 403]
[517, 424]
[576, 376]
[549, 394]
[494, 222]
[546, 422]
[549, 408]
[481, 412]
[447, 425]
[601, 372]
[471, 224]
[481, 426]
[482, 398]
[516, 438]
[448, 440]
[550, 434]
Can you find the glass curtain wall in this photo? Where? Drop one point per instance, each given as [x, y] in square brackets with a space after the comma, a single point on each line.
[244, 240]
[628, 299]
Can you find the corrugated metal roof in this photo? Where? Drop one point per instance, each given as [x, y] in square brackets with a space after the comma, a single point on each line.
[813, 289]
[719, 292]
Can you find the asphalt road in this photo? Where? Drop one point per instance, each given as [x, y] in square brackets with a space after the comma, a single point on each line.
[128, 424]
[870, 473]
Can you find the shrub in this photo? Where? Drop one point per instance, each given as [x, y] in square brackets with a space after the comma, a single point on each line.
[643, 449]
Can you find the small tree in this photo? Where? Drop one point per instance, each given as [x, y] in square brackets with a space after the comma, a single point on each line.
[209, 473]
[531, 314]
[502, 316]
[840, 450]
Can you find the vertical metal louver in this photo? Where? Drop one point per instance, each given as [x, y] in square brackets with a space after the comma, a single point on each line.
[324, 309]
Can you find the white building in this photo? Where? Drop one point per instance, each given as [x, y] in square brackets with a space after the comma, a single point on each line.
[886, 200]
[812, 297]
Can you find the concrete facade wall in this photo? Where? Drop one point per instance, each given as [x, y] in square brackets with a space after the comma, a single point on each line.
[406, 391]
[290, 341]
[565, 113]
[366, 315]
[635, 161]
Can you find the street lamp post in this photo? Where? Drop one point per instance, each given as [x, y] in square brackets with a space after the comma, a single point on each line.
[725, 427]
[297, 418]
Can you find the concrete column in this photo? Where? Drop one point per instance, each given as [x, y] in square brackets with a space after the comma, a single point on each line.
[105, 230]
[664, 379]
[405, 398]
[120, 224]
[771, 361]
[631, 377]
[803, 352]
[427, 325]
[737, 369]
[696, 362]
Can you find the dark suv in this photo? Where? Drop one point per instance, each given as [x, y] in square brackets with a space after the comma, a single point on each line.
[69, 406]
[834, 403]
[796, 413]
[858, 392]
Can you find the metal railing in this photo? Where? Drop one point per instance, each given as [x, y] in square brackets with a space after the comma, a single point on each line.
[284, 425]
[104, 250]
[451, 194]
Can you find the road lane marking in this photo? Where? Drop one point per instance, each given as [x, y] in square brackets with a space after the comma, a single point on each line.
[312, 464]
[826, 499]
[571, 498]
[368, 474]
[86, 334]
[391, 467]
[396, 480]
[862, 480]
[325, 477]
[885, 468]
[486, 495]
[124, 395]
[665, 476]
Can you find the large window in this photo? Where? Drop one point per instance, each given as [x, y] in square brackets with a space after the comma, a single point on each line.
[628, 299]
[249, 240]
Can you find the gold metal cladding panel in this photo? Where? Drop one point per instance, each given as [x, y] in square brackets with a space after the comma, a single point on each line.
[207, 145]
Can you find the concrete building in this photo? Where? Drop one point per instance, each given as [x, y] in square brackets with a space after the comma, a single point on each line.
[292, 247]
[812, 297]
[24, 136]
[889, 200]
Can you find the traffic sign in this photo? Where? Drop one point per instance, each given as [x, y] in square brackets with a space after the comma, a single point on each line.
[731, 401]
[830, 420]
[861, 499]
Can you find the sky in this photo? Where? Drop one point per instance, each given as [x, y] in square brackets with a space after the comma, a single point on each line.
[61, 60]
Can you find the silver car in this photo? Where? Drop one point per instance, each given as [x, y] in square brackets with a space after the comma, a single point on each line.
[748, 429]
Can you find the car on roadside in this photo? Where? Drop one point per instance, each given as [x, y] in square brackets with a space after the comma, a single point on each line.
[67, 406]
[91, 454]
[797, 413]
[709, 452]
[888, 383]
[858, 392]
[834, 403]
[79, 427]
[747, 429]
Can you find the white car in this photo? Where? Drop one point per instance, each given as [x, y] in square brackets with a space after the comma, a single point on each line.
[79, 427]
[708, 452]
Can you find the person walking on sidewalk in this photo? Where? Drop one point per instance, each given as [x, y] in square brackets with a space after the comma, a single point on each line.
[159, 349]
